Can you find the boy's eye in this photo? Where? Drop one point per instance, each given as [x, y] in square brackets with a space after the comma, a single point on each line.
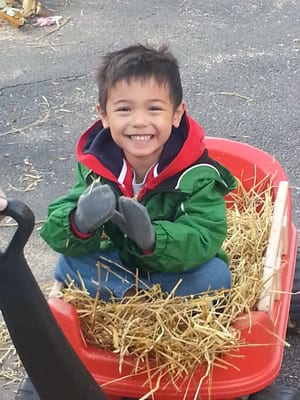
[155, 108]
[123, 109]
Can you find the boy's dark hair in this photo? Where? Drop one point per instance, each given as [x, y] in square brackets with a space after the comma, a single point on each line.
[139, 61]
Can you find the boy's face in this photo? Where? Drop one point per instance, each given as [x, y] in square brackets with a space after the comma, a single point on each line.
[140, 115]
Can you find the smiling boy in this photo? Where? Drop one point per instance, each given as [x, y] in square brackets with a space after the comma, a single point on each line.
[140, 115]
[147, 196]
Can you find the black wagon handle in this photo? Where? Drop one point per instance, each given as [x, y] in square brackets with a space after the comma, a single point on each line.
[48, 358]
[23, 215]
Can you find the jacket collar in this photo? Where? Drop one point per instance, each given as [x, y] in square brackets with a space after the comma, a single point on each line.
[97, 151]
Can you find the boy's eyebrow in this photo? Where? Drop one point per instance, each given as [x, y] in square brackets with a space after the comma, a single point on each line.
[129, 101]
[159, 100]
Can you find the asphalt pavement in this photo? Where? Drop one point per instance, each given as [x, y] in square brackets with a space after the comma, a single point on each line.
[240, 69]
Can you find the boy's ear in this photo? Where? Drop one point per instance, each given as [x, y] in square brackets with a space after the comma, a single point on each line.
[178, 114]
[103, 116]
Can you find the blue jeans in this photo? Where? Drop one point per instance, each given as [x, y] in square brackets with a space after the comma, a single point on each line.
[117, 279]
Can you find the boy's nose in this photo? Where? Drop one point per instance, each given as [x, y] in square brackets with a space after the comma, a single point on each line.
[139, 119]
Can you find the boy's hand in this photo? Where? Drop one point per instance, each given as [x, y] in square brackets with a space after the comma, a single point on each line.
[3, 203]
[95, 206]
[133, 219]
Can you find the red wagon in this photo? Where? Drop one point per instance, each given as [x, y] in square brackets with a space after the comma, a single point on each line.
[258, 365]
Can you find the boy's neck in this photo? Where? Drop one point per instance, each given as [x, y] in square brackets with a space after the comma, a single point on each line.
[141, 170]
[140, 173]
[141, 167]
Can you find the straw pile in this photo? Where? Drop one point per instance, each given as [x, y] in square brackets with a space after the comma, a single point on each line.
[180, 333]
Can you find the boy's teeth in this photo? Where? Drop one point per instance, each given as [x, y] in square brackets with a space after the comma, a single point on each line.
[140, 138]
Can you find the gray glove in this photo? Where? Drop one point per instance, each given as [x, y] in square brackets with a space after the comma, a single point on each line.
[95, 206]
[133, 220]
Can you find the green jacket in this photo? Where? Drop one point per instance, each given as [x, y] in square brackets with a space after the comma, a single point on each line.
[185, 203]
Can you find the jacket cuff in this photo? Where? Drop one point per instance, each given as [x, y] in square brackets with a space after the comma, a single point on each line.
[76, 232]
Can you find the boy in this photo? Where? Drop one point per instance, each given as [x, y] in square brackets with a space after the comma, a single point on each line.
[147, 198]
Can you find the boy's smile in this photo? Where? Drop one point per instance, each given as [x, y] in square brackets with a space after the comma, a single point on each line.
[140, 114]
